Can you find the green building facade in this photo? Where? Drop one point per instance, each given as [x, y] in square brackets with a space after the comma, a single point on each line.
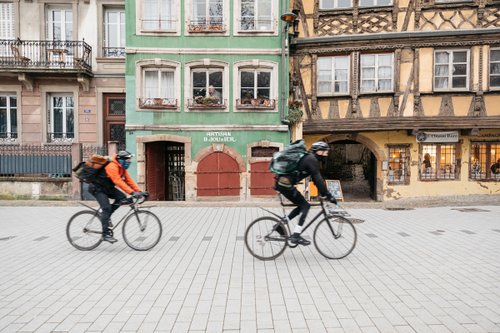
[206, 89]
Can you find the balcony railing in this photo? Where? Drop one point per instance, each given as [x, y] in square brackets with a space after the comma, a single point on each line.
[36, 55]
[256, 103]
[8, 137]
[59, 137]
[157, 103]
[113, 52]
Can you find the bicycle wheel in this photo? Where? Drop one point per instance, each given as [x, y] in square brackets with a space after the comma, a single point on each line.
[263, 240]
[335, 237]
[142, 230]
[84, 230]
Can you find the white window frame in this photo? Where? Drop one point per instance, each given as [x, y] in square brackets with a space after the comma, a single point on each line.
[375, 4]
[205, 64]
[8, 108]
[335, 5]
[65, 109]
[7, 20]
[238, 19]
[332, 76]
[257, 65]
[497, 49]
[450, 70]
[119, 30]
[159, 72]
[376, 78]
[175, 30]
[49, 22]
[161, 66]
[189, 4]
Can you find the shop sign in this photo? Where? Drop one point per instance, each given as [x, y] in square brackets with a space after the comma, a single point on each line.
[451, 136]
[222, 136]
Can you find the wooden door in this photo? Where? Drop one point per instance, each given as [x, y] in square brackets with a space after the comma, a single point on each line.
[155, 171]
[218, 175]
[261, 179]
[114, 119]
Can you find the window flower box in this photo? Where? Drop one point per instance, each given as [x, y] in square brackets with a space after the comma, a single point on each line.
[256, 103]
[208, 102]
[206, 28]
[157, 103]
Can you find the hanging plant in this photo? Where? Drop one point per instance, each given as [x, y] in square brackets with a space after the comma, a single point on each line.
[295, 112]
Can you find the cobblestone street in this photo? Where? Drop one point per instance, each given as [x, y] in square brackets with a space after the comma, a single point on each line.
[417, 270]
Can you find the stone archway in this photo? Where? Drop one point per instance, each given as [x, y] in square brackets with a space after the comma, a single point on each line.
[379, 156]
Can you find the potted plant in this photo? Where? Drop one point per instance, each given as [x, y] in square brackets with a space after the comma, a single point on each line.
[295, 112]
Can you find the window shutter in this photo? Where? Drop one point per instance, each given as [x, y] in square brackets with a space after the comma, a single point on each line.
[7, 21]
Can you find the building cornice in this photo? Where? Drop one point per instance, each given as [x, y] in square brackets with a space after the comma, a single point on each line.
[396, 40]
[398, 123]
[156, 50]
[205, 128]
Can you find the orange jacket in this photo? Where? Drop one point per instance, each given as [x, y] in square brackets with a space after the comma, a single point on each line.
[120, 177]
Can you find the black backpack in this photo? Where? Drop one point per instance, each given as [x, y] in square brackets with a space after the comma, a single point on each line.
[89, 170]
[286, 162]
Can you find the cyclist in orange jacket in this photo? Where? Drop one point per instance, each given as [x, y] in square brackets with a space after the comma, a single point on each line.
[111, 182]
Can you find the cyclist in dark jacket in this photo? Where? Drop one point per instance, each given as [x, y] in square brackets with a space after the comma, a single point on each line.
[308, 166]
[114, 175]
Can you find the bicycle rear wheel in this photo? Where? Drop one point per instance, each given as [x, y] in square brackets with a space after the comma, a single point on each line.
[84, 230]
[263, 240]
[335, 237]
[142, 230]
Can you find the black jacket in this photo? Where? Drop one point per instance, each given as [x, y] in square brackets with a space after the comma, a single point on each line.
[309, 166]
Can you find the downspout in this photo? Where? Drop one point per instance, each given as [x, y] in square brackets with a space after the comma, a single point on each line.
[284, 79]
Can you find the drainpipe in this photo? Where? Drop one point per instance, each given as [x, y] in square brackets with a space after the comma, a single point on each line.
[284, 85]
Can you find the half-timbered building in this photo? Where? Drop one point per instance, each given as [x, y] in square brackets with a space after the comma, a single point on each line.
[407, 92]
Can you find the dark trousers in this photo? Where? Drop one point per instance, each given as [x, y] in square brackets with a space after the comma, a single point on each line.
[107, 208]
[298, 199]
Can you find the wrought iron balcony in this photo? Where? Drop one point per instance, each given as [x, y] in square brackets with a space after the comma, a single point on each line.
[8, 137]
[203, 26]
[60, 137]
[113, 52]
[42, 56]
[206, 103]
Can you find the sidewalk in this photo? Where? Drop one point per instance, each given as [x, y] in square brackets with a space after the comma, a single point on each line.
[417, 270]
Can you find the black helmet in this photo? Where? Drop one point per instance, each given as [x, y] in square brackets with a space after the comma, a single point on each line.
[320, 145]
[123, 155]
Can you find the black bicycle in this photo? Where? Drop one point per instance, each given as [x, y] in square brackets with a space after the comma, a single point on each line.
[334, 236]
[141, 228]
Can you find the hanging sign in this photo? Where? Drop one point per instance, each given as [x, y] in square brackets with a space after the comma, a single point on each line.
[451, 136]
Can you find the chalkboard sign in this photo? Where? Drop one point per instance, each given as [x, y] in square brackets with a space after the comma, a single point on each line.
[335, 189]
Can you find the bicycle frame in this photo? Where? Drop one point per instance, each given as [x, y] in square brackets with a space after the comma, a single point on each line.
[134, 208]
[285, 220]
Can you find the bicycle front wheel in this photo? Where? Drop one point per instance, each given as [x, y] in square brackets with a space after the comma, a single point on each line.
[142, 230]
[335, 237]
[84, 230]
[264, 240]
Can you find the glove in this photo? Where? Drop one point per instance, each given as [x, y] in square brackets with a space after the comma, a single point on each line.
[145, 194]
[137, 195]
[332, 200]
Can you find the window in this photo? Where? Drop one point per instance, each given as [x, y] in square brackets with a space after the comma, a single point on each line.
[399, 165]
[256, 15]
[61, 122]
[376, 72]
[159, 15]
[374, 3]
[158, 89]
[114, 33]
[485, 161]
[333, 75]
[59, 24]
[7, 20]
[438, 161]
[207, 16]
[8, 117]
[334, 4]
[207, 88]
[495, 68]
[451, 70]
[255, 89]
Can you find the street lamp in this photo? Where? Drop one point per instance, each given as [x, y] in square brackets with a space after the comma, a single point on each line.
[289, 20]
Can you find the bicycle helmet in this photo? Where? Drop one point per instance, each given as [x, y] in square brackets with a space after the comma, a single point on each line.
[320, 145]
[124, 155]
